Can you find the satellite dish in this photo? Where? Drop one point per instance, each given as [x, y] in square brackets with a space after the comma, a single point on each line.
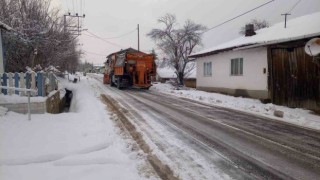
[312, 47]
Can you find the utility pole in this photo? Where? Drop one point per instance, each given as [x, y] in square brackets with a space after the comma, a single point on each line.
[138, 38]
[75, 29]
[285, 19]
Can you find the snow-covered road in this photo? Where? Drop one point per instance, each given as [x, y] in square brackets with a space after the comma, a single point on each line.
[199, 141]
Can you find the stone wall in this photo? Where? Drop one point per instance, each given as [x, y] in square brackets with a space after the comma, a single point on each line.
[53, 103]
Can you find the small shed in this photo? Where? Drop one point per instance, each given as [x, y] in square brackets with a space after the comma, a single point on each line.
[165, 74]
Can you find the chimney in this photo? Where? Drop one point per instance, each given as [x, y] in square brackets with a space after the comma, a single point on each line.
[249, 30]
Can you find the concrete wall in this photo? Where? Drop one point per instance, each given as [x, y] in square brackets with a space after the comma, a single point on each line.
[253, 82]
[53, 104]
[35, 107]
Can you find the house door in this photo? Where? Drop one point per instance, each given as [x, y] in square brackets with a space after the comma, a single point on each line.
[294, 78]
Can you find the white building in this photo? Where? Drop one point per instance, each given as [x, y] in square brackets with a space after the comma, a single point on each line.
[269, 64]
[2, 27]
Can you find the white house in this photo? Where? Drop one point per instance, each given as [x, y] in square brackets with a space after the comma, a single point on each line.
[267, 64]
[2, 27]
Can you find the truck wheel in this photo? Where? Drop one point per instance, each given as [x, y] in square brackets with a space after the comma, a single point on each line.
[118, 83]
[111, 81]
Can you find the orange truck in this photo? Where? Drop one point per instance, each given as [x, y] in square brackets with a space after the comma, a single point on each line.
[130, 68]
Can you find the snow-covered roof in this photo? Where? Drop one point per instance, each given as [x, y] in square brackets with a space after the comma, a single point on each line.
[166, 72]
[298, 28]
[192, 74]
[4, 26]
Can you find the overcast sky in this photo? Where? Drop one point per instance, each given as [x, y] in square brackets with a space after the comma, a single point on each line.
[117, 17]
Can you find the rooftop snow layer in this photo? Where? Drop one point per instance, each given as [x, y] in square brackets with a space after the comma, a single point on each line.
[298, 28]
[166, 72]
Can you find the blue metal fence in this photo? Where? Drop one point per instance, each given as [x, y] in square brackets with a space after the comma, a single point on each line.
[29, 80]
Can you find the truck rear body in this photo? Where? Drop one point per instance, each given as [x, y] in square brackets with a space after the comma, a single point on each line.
[130, 68]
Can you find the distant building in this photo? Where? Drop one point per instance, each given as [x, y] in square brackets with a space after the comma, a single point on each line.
[167, 73]
[98, 69]
[268, 64]
[3, 27]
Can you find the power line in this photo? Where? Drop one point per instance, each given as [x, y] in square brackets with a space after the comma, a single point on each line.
[81, 7]
[73, 6]
[239, 16]
[123, 35]
[67, 5]
[95, 36]
[94, 53]
[294, 6]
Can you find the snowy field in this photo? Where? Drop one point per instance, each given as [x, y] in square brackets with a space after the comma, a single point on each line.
[296, 116]
[81, 144]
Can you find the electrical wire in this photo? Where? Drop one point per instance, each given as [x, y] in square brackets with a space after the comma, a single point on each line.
[238, 16]
[123, 35]
[94, 53]
[67, 5]
[95, 36]
[73, 6]
[294, 6]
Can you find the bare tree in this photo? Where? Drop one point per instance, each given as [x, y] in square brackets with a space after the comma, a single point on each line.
[257, 24]
[178, 43]
[38, 36]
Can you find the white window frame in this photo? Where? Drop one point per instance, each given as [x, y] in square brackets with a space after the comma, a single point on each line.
[207, 69]
[236, 67]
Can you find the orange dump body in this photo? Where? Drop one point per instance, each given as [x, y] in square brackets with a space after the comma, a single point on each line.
[142, 70]
[134, 68]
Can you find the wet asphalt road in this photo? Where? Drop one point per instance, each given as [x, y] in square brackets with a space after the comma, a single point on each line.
[258, 147]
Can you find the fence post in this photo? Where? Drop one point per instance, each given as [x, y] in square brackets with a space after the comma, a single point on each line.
[51, 82]
[10, 77]
[0, 83]
[28, 80]
[16, 82]
[22, 83]
[29, 108]
[4, 83]
[33, 82]
[41, 84]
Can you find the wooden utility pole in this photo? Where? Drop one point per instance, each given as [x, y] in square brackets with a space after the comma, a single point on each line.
[138, 38]
[285, 19]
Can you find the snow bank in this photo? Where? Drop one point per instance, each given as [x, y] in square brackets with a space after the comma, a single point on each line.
[296, 116]
[19, 99]
[3, 111]
[81, 144]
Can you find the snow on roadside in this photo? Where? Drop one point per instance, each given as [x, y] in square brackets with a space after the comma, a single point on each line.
[296, 116]
[19, 99]
[81, 144]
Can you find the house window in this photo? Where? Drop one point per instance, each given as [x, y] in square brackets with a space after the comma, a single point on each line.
[237, 67]
[207, 68]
